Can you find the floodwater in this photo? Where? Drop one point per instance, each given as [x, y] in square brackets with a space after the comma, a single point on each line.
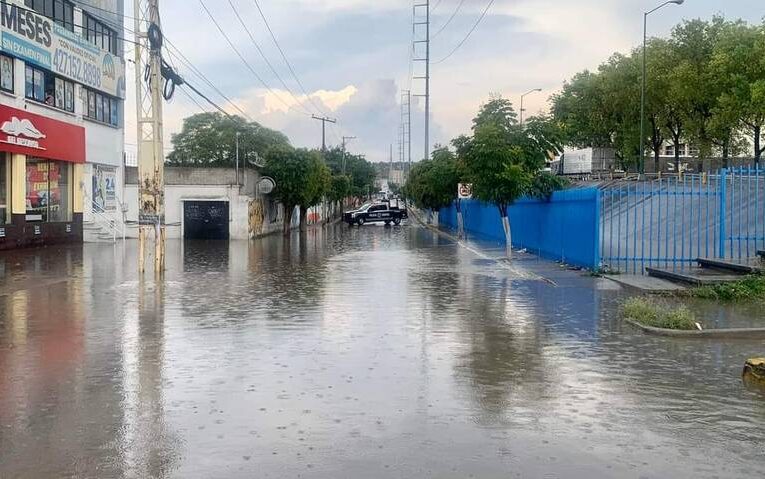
[353, 353]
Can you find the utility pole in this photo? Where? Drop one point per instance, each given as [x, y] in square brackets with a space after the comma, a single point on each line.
[323, 120]
[345, 141]
[426, 60]
[237, 158]
[151, 155]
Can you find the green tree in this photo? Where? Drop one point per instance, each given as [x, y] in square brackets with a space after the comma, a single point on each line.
[317, 185]
[209, 139]
[362, 173]
[738, 61]
[432, 184]
[504, 160]
[301, 179]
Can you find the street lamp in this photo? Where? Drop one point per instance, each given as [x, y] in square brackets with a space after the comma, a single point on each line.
[523, 96]
[643, 80]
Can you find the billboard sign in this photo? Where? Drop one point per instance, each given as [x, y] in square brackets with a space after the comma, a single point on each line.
[39, 40]
[465, 191]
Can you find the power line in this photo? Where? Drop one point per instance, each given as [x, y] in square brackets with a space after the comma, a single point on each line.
[454, 14]
[246, 63]
[183, 59]
[263, 55]
[284, 57]
[485, 10]
[433, 10]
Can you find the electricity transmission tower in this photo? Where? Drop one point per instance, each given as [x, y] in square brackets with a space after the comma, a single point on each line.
[406, 129]
[151, 157]
[421, 37]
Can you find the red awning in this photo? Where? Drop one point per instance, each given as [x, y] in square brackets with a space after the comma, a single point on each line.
[41, 137]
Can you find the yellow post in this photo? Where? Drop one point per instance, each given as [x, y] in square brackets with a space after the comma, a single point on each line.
[79, 194]
[18, 184]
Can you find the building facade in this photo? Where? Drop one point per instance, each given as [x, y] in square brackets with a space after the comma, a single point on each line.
[62, 90]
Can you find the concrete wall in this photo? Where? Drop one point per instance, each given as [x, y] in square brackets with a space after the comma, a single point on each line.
[250, 215]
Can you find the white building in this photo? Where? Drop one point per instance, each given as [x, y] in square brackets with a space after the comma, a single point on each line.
[62, 90]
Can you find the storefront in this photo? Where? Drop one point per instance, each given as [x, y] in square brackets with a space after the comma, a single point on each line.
[41, 171]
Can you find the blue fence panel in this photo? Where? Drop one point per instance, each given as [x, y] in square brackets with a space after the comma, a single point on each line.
[671, 222]
[565, 228]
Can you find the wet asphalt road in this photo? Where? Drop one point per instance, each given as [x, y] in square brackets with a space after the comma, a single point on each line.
[355, 353]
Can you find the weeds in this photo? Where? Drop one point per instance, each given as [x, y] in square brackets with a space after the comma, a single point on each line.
[750, 289]
[648, 313]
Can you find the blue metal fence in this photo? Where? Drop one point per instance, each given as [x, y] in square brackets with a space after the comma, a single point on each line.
[670, 222]
[565, 228]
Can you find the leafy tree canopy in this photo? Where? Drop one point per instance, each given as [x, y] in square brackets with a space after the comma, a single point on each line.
[209, 139]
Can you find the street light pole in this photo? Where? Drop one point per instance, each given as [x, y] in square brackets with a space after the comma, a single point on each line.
[524, 96]
[643, 80]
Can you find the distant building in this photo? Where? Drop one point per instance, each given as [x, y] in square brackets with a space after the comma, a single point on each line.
[62, 90]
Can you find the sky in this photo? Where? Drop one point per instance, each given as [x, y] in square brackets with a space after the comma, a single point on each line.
[352, 59]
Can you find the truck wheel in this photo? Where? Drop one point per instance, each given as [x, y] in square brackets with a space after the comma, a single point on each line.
[360, 221]
[397, 221]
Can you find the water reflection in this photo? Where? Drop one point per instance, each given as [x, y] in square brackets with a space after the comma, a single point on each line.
[352, 352]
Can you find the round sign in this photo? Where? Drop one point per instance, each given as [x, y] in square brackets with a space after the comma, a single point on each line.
[266, 186]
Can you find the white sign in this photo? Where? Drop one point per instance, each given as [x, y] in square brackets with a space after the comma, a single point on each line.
[16, 128]
[104, 188]
[266, 186]
[465, 191]
[39, 40]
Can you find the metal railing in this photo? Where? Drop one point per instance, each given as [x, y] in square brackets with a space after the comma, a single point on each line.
[671, 221]
[104, 218]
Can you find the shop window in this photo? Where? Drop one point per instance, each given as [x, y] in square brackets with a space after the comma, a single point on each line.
[97, 33]
[49, 191]
[47, 88]
[5, 183]
[102, 108]
[61, 11]
[6, 73]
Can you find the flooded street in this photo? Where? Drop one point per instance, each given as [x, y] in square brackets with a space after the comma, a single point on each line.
[367, 352]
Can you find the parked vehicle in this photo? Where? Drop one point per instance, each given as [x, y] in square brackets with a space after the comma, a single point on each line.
[374, 213]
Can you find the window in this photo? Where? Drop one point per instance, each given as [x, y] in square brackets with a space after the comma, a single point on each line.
[669, 150]
[5, 183]
[47, 88]
[49, 191]
[61, 11]
[97, 33]
[6, 73]
[693, 151]
[102, 108]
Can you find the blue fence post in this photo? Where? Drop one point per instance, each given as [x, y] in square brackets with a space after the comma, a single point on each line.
[723, 209]
[597, 234]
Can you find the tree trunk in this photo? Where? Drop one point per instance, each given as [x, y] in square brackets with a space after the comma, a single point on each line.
[508, 232]
[287, 227]
[757, 149]
[725, 153]
[303, 219]
[676, 143]
[460, 221]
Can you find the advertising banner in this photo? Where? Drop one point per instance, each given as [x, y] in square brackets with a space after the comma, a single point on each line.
[39, 40]
[105, 187]
[34, 135]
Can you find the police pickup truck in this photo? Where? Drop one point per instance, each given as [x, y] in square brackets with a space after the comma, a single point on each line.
[375, 213]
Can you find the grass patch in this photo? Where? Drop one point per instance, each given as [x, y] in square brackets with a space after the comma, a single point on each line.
[649, 313]
[751, 288]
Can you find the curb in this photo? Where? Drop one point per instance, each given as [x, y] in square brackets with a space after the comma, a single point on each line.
[730, 333]
[431, 227]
